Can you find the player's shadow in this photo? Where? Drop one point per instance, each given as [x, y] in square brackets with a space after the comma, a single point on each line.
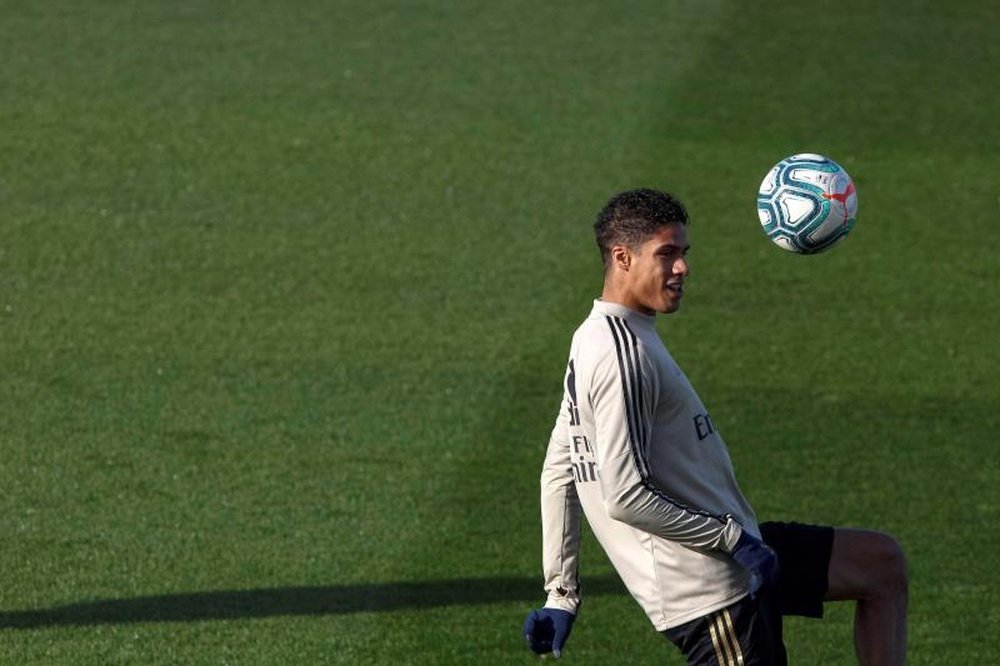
[290, 601]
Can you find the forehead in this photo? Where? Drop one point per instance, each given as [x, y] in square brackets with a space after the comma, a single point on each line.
[668, 236]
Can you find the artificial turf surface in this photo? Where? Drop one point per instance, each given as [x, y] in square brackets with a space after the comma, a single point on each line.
[287, 291]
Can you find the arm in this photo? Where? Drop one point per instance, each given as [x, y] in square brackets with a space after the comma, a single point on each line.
[624, 396]
[546, 629]
[560, 521]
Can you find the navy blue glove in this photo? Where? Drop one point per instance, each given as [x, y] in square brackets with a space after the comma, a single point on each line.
[759, 560]
[547, 629]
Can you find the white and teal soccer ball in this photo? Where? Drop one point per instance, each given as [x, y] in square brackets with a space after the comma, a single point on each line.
[807, 203]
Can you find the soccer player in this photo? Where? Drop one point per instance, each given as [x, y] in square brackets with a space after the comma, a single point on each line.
[635, 450]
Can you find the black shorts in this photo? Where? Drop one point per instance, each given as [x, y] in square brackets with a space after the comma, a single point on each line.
[804, 565]
[749, 631]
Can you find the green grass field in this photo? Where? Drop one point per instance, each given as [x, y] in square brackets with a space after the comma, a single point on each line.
[286, 293]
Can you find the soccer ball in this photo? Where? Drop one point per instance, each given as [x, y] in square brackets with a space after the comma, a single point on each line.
[806, 203]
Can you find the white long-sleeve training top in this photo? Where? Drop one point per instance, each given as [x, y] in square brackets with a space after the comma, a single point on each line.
[635, 448]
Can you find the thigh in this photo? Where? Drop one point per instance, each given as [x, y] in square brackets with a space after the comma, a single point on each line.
[748, 633]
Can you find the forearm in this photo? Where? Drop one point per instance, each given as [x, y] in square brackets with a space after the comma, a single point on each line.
[645, 508]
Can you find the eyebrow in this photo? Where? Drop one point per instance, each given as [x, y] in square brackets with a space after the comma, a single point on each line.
[672, 247]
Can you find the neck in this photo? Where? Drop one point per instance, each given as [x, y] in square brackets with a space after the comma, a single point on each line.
[614, 293]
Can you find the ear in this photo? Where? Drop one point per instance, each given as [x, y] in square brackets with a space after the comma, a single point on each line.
[621, 257]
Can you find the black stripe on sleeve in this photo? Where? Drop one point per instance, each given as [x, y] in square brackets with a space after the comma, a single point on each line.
[631, 345]
[627, 374]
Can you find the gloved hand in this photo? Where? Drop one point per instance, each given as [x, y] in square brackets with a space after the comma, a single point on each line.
[546, 630]
[759, 560]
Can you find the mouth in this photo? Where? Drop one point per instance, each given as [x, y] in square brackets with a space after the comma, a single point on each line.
[676, 288]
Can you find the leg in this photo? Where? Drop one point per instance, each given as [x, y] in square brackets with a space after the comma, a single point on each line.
[870, 567]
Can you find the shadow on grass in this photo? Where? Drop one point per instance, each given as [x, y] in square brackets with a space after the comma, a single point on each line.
[331, 600]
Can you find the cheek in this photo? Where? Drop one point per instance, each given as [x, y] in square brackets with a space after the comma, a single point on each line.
[654, 281]
[659, 273]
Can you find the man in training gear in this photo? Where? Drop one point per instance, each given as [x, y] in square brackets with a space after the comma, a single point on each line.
[635, 450]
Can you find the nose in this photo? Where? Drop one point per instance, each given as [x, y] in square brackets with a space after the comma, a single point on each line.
[681, 266]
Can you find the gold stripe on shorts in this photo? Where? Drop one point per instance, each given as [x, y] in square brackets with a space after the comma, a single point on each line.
[736, 640]
[715, 643]
[725, 640]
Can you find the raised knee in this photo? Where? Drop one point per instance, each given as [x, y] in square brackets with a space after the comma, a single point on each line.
[888, 564]
[867, 565]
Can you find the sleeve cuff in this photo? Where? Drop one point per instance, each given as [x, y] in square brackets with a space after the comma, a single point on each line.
[731, 533]
[567, 600]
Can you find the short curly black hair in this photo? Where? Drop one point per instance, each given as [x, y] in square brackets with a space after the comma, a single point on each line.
[631, 217]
